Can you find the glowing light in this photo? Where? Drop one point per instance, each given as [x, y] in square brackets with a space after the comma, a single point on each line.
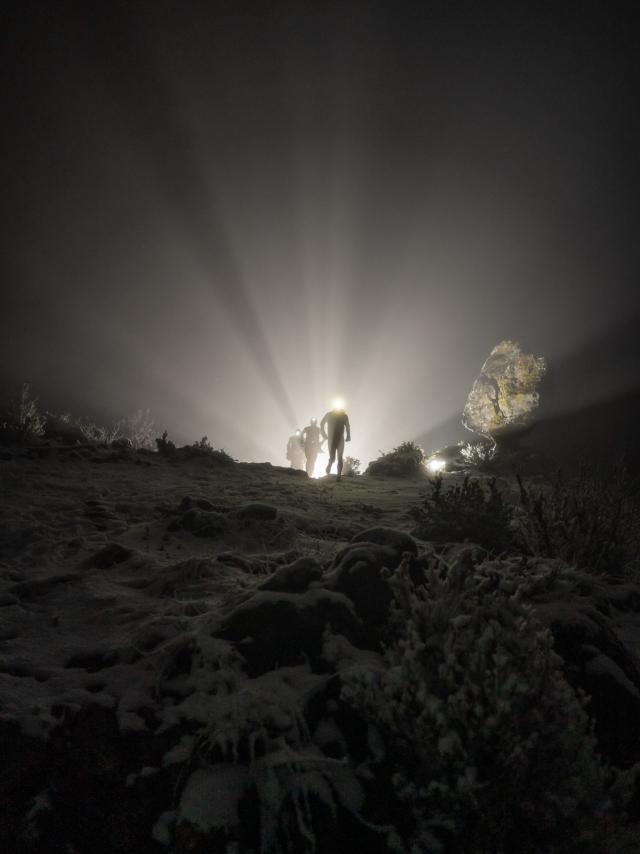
[436, 465]
[337, 404]
[321, 464]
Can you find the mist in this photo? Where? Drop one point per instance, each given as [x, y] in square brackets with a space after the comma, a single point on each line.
[231, 217]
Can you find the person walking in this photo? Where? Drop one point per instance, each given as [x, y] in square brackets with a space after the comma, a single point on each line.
[312, 441]
[333, 427]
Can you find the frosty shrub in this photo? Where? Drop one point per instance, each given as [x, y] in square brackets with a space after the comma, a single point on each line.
[139, 429]
[488, 748]
[478, 455]
[99, 434]
[403, 461]
[25, 414]
[165, 446]
[592, 522]
[465, 512]
[253, 737]
[351, 466]
[203, 448]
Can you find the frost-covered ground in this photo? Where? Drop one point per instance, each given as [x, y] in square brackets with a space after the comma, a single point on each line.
[173, 640]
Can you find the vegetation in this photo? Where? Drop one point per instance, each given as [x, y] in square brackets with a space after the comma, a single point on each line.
[403, 461]
[24, 414]
[590, 521]
[469, 511]
[351, 467]
[201, 449]
[137, 430]
[489, 747]
[478, 455]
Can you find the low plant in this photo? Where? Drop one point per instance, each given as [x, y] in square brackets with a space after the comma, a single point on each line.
[486, 745]
[25, 415]
[203, 448]
[165, 446]
[590, 521]
[471, 511]
[478, 455]
[351, 467]
[404, 460]
[139, 429]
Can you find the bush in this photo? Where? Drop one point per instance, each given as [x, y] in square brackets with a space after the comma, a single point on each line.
[203, 448]
[351, 467]
[466, 512]
[592, 522]
[99, 434]
[487, 746]
[478, 455]
[166, 447]
[25, 415]
[403, 461]
[139, 428]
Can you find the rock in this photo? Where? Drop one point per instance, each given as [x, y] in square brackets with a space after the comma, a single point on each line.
[504, 397]
[110, 555]
[203, 523]
[122, 444]
[399, 541]
[597, 662]
[63, 431]
[357, 575]
[257, 511]
[188, 503]
[274, 629]
[294, 578]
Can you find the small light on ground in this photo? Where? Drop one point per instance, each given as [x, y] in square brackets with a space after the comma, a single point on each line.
[436, 465]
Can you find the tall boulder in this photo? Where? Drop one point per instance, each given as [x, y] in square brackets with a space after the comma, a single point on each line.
[505, 396]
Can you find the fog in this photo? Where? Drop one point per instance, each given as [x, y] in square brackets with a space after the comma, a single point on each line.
[230, 218]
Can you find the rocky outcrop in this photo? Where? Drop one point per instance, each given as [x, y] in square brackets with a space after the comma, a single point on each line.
[505, 396]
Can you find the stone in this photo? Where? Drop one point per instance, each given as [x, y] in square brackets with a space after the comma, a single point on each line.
[357, 574]
[63, 431]
[399, 541]
[122, 444]
[505, 396]
[257, 511]
[598, 663]
[109, 556]
[188, 503]
[295, 577]
[203, 523]
[274, 629]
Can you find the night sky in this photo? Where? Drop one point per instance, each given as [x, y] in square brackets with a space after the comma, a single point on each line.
[230, 213]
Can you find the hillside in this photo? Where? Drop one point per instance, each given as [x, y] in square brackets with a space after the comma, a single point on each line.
[186, 645]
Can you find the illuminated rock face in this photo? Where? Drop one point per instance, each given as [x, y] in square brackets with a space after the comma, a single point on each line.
[504, 397]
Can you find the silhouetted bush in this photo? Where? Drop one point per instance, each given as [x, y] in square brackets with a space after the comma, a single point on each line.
[351, 467]
[136, 429]
[590, 521]
[165, 446]
[478, 454]
[403, 461]
[24, 414]
[486, 747]
[470, 511]
[203, 448]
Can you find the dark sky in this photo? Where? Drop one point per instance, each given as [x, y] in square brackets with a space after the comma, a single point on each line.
[229, 213]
